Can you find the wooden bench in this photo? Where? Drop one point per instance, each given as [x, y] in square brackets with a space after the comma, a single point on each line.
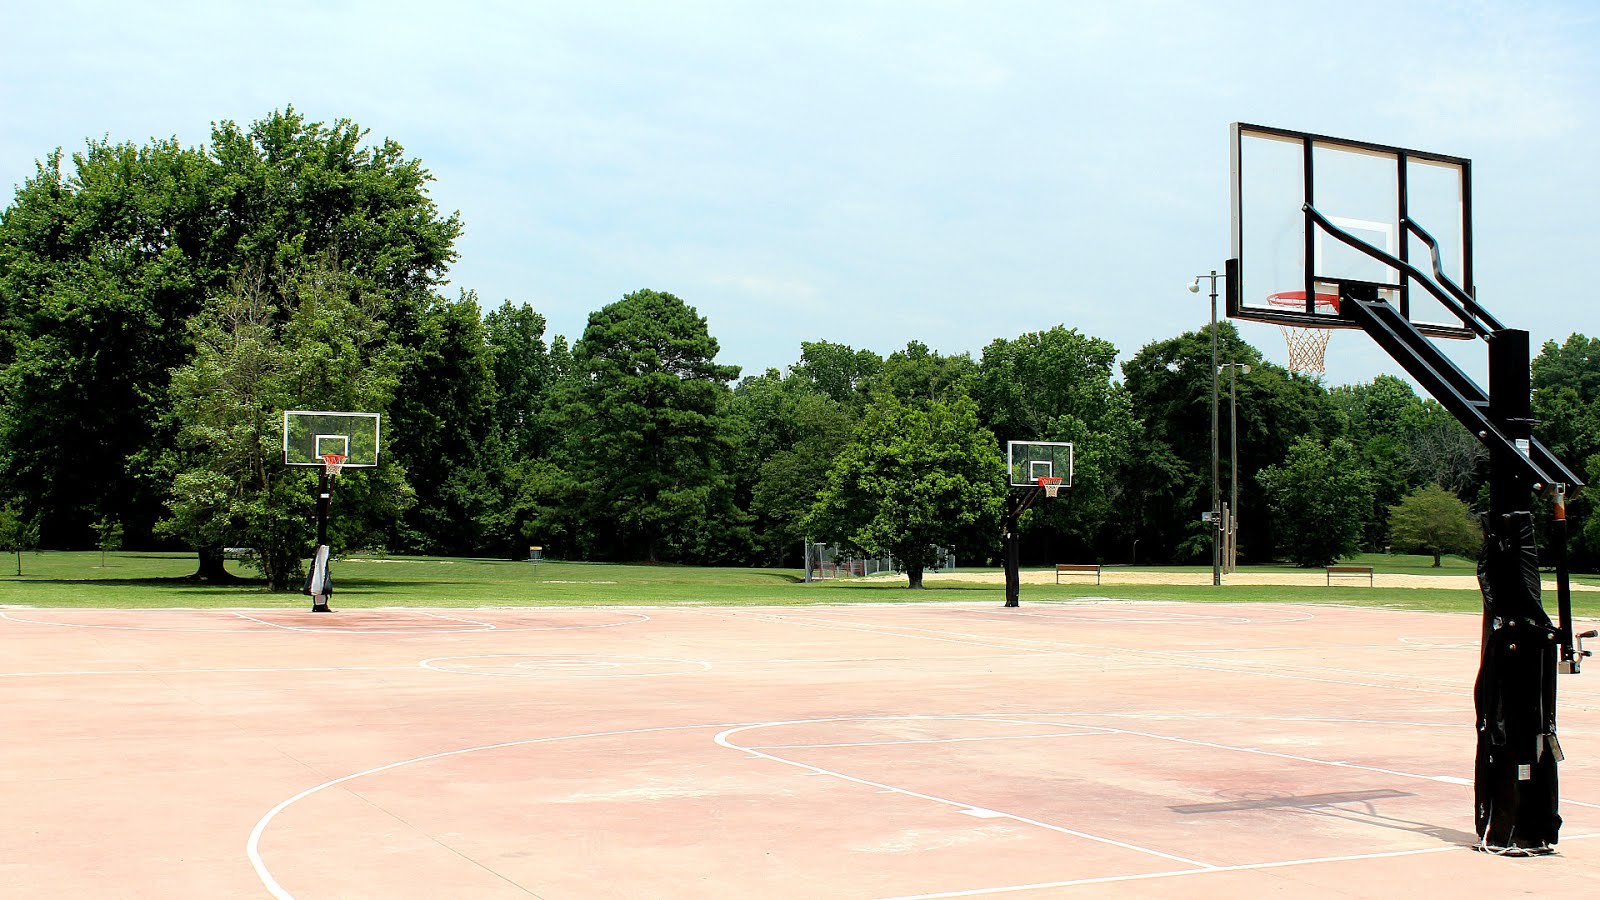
[1076, 569]
[1350, 572]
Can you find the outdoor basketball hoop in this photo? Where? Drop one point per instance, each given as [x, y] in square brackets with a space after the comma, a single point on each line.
[1052, 486]
[333, 463]
[1308, 344]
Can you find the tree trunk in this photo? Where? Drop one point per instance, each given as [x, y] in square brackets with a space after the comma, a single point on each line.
[914, 576]
[211, 569]
[1436, 555]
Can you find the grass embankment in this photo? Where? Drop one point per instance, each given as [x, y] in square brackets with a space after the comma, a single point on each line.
[155, 580]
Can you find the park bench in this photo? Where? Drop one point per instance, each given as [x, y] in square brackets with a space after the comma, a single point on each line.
[1350, 572]
[1076, 569]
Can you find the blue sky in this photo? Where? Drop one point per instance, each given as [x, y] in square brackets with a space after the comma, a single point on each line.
[867, 173]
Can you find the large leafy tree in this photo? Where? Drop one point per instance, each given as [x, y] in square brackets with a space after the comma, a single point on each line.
[1319, 496]
[103, 265]
[517, 464]
[1433, 520]
[103, 259]
[524, 374]
[919, 374]
[916, 476]
[1057, 385]
[789, 434]
[648, 440]
[441, 430]
[253, 359]
[838, 370]
[1169, 385]
[1401, 444]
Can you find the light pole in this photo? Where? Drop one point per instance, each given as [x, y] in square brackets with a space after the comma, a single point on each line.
[1233, 449]
[1216, 452]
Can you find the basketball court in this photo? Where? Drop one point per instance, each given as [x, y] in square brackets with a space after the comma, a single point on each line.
[1083, 749]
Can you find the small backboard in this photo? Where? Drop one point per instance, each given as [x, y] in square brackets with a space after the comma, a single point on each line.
[1287, 267]
[1029, 461]
[309, 435]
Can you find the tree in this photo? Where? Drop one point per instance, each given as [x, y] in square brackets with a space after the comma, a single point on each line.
[17, 532]
[789, 435]
[841, 372]
[108, 534]
[1566, 403]
[441, 430]
[253, 360]
[102, 268]
[1169, 383]
[1057, 385]
[1433, 520]
[920, 375]
[1404, 442]
[647, 435]
[914, 478]
[1318, 497]
[524, 374]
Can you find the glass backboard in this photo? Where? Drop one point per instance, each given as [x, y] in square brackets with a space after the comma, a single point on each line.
[1028, 461]
[310, 434]
[1287, 267]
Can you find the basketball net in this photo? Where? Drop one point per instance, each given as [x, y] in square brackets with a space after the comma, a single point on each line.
[333, 463]
[1307, 348]
[1052, 486]
[1308, 345]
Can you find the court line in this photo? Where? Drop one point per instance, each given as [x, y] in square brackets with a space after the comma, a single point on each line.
[253, 844]
[723, 739]
[253, 670]
[1176, 873]
[997, 737]
[1338, 764]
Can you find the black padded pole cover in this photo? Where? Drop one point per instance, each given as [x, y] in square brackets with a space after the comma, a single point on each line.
[1013, 561]
[1515, 786]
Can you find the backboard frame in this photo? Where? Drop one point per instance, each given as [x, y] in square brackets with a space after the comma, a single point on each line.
[309, 434]
[1028, 461]
[1281, 241]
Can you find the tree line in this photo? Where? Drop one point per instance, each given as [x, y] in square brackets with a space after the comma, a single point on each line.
[160, 306]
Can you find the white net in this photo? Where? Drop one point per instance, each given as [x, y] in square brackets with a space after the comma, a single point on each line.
[333, 463]
[1308, 348]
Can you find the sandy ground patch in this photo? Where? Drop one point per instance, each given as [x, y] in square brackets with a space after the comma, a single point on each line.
[1113, 575]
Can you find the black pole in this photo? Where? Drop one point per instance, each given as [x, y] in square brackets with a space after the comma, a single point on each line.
[1515, 785]
[1216, 450]
[318, 584]
[1558, 550]
[324, 500]
[1013, 554]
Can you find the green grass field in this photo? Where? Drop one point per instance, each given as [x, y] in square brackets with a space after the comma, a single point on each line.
[153, 580]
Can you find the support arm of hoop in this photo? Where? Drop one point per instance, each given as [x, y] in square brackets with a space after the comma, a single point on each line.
[1443, 279]
[1456, 392]
[1468, 319]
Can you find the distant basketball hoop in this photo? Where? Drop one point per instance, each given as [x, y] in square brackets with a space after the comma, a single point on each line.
[1308, 344]
[1052, 486]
